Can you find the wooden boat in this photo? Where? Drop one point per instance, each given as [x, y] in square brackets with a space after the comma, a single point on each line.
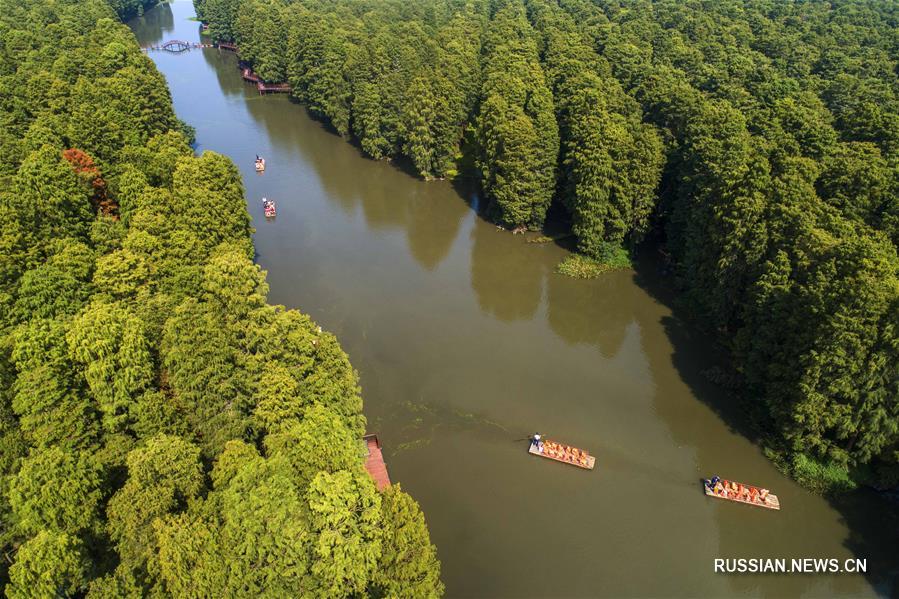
[771, 502]
[269, 207]
[563, 453]
[260, 165]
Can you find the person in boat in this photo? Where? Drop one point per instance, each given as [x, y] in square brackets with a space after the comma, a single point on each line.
[712, 483]
[537, 441]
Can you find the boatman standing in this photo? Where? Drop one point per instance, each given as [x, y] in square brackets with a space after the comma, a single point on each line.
[536, 442]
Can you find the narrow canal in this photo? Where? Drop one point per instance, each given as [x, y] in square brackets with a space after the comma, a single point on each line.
[466, 342]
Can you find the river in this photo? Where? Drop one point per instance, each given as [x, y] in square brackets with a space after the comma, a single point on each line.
[466, 340]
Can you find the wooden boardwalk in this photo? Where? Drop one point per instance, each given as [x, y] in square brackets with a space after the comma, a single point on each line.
[374, 462]
[261, 86]
[273, 88]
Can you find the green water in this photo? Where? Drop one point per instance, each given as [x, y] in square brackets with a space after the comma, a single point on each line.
[466, 340]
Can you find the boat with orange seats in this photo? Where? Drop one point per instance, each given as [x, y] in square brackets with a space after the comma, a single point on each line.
[563, 453]
[741, 493]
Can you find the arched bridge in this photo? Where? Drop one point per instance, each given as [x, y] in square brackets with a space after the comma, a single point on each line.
[177, 46]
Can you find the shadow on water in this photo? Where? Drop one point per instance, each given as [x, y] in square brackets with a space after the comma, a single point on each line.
[871, 515]
[871, 520]
[695, 352]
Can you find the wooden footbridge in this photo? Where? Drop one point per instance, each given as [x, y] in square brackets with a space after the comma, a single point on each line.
[176, 46]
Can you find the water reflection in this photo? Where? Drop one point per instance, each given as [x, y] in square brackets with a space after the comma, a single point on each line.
[434, 223]
[224, 64]
[507, 278]
[592, 312]
[154, 25]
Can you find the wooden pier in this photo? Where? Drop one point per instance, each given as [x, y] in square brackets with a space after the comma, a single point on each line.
[263, 87]
[374, 462]
[273, 88]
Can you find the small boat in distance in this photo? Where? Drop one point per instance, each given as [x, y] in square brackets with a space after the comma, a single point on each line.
[260, 164]
[562, 453]
[269, 207]
[734, 491]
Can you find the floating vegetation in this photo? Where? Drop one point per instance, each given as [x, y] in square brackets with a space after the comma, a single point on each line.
[580, 266]
[549, 238]
[407, 445]
[541, 239]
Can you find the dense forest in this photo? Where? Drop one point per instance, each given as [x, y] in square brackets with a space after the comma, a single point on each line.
[757, 143]
[164, 431]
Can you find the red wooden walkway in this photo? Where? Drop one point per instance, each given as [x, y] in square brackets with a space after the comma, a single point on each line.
[374, 462]
[263, 87]
[274, 88]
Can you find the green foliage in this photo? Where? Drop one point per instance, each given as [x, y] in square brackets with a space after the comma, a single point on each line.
[57, 287]
[248, 537]
[163, 476]
[50, 397]
[821, 478]
[259, 31]
[220, 15]
[408, 566]
[516, 124]
[112, 347]
[345, 519]
[52, 564]
[320, 442]
[56, 490]
[136, 342]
